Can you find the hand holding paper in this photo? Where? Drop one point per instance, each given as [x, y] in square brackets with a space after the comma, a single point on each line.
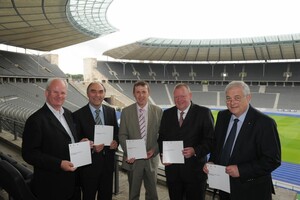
[103, 135]
[172, 152]
[136, 149]
[217, 178]
[80, 153]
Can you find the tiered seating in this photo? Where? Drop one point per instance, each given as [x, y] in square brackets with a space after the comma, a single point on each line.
[27, 65]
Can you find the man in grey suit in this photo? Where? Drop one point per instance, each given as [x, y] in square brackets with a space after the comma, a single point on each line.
[140, 170]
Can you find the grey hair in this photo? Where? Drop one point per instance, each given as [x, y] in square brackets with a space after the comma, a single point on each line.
[50, 80]
[241, 84]
[180, 85]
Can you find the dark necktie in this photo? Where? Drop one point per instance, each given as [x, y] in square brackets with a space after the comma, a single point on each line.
[97, 118]
[181, 118]
[228, 145]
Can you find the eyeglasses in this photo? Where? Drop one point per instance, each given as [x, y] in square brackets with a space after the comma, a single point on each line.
[234, 99]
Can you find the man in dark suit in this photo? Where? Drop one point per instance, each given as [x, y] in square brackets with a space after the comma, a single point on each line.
[255, 152]
[187, 181]
[97, 177]
[46, 136]
[140, 170]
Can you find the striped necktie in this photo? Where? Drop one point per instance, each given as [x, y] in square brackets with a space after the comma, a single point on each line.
[142, 123]
[98, 118]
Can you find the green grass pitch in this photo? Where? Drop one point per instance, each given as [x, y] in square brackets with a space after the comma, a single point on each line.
[289, 133]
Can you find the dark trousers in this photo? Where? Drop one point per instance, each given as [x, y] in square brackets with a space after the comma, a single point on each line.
[179, 190]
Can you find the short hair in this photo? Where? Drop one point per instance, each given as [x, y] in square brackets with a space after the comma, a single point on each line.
[95, 82]
[180, 85]
[50, 80]
[141, 83]
[241, 84]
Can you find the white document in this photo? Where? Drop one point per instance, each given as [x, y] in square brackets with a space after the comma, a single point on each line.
[172, 152]
[103, 134]
[80, 153]
[136, 149]
[217, 178]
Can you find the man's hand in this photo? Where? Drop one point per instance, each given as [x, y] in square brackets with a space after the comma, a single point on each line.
[188, 152]
[130, 161]
[98, 148]
[205, 169]
[86, 139]
[113, 144]
[150, 153]
[233, 171]
[67, 166]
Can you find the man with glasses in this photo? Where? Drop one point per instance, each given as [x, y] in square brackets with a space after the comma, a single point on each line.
[247, 143]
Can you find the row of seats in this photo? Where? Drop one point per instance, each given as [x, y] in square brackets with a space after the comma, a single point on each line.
[192, 72]
[15, 179]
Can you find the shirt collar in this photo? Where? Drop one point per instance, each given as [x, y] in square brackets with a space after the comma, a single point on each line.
[93, 109]
[242, 117]
[57, 112]
[185, 111]
[145, 107]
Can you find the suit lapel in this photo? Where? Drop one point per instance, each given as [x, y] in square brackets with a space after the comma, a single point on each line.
[54, 121]
[71, 126]
[245, 129]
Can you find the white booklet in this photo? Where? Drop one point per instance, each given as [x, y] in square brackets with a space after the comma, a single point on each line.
[172, 152]
[217, 178]
[103, 134]
[80, 153]
[136, 149]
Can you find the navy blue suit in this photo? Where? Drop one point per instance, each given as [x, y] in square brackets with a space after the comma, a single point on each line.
[257, 153]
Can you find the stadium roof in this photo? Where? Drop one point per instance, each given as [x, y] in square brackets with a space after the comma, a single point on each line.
[234, 49]
[46, 25]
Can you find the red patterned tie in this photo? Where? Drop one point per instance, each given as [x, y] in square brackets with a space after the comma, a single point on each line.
[181, 118]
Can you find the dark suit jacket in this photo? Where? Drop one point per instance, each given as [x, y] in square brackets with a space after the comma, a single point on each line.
[197, 132]
[257, 153]
[85, 126]
[45, 145]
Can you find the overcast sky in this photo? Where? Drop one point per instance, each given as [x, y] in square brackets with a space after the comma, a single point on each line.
[184, 19]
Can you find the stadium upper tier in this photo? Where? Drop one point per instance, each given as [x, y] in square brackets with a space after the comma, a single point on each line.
[23, 80]
[27, 65]
[52, 24]
[266, 48]
[284, 72]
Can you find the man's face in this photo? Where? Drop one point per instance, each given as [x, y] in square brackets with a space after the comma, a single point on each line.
[96, 94]
[141, 95]
[182, 98]
[56, 94]
[236, 101]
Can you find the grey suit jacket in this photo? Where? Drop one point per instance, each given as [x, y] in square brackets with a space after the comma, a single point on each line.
[129, 129]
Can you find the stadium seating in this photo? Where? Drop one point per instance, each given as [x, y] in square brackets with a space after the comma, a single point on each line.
[13, 182]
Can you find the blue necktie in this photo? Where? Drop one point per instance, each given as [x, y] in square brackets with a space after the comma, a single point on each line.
[228, 145]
